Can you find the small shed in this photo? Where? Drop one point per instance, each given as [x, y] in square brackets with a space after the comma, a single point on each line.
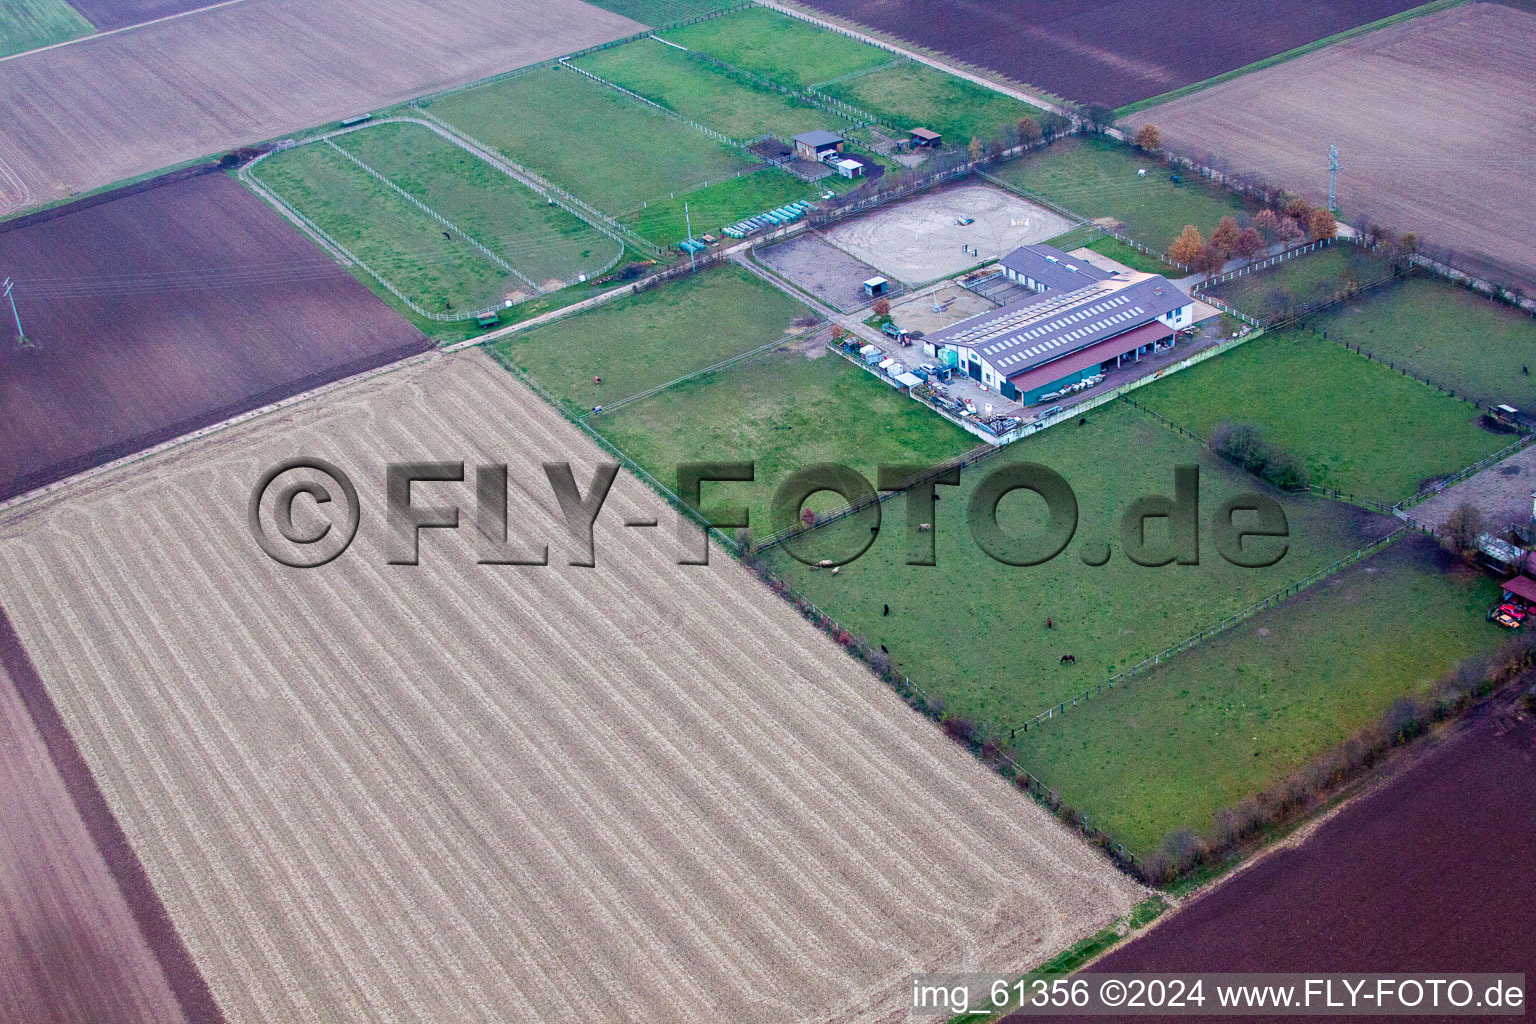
[876, 287]
[850, 168]
[925, 137]
[818, 145]
[908, 379]
[1522, 587]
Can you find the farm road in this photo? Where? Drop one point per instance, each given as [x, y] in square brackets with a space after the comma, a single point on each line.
[1503, 493]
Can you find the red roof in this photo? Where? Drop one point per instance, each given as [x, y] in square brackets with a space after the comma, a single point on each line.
[1523, 587]
[1093, 355]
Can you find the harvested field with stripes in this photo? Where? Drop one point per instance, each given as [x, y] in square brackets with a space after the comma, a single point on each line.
[477, 793]
[103, 110]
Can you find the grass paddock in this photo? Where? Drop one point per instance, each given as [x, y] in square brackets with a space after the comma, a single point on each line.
[1357, 425]
[1250, 707]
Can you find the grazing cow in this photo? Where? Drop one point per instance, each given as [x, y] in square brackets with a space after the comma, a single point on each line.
[835, 569]
[1069, 659]
[887, 610]
[883, 650]
[825, 563]
[924, 527]
[1048, 623]
[447, 236]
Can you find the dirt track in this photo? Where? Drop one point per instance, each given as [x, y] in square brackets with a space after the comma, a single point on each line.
[1428, 117]
[98, 111]
[473, 793]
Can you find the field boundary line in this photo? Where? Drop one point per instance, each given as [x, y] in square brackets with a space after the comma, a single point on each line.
[423, 207]
[152, 921]
[1034, 98]
[1433, 7]
[899, 60]
[1198, 637]
[426, 98]
[690, 122]
[97, 34]
[712, 368]
[181, 441]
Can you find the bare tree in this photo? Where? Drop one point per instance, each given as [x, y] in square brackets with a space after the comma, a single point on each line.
[1460, 530]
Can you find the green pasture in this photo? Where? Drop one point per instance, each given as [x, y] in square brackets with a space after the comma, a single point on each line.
[1130, 256]
[1358, 426]
[27, 24]
[1446, 334]
[915, 95]
[1252, 706]
[1097, 178]
[784, 412]
[395, 238]
[705, 92]
[612, 151]
[973, 630]
[540, 240]
[638, 343]
[780, 48]
[1285, 288]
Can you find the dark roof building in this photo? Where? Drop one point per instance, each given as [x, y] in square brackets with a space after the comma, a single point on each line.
[1043, 268]
[813, 145]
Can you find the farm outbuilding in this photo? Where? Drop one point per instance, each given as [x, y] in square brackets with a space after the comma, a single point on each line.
[876, 287]
[850, 168]
[925, 137]
[1043, 268]
[818, 145]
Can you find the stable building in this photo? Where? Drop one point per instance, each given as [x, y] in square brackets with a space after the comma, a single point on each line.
[924, 138]
[1042, 268]
[818, 145]
[1045, 343]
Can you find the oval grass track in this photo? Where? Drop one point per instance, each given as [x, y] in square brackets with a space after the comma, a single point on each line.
[635, 792]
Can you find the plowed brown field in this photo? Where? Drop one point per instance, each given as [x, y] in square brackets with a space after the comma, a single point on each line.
[1112, 51]
[1429, 119]
[165, 310]
[639, 792]
[102, 110]
[1432, 872]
